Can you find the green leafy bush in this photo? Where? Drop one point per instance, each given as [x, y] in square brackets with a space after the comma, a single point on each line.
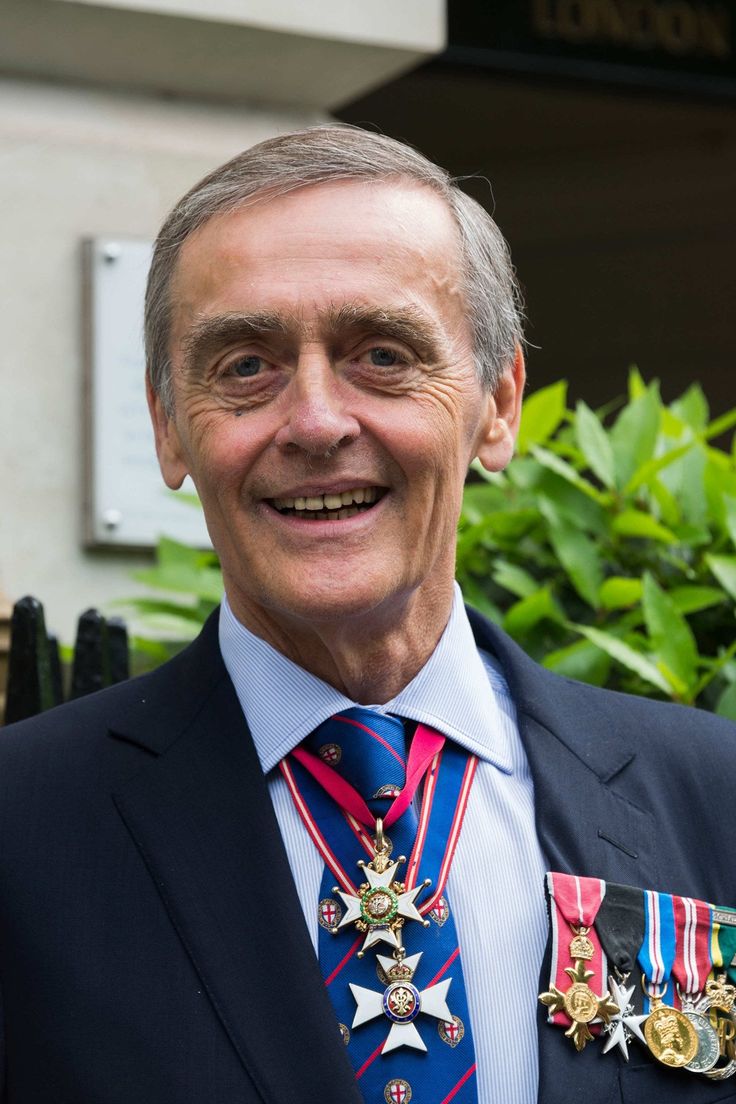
[187, 587]
[608, 547]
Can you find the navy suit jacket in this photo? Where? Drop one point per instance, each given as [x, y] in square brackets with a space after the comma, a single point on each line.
[152, 945]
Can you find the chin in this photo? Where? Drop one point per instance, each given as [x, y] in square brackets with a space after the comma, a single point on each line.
[334, 600]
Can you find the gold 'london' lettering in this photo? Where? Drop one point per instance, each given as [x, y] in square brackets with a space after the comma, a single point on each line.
[678, 27]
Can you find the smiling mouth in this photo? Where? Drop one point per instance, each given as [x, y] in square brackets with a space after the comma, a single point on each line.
[329, 507]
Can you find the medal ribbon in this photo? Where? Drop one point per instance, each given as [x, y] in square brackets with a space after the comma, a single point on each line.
[657, 952]
[620, 925]
[575, 902]
[693, 924]
[425, 745]
[724, 944]
[336, 812]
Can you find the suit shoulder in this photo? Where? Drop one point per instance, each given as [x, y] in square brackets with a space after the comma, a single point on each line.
[149, 704]
[74, 723]
[664, 729]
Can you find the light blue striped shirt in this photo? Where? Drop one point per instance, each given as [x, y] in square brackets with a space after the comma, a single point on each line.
[496, 886]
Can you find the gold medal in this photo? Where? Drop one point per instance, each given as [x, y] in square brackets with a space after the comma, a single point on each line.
[669, 1033]
[671, 1036]
[579, 1002]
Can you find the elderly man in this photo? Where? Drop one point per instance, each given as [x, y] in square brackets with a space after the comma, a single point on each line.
[333, 335]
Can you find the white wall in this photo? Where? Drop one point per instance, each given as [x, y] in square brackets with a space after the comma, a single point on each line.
[77, 163]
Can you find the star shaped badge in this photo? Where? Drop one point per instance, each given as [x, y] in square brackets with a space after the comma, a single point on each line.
[623, 1024]
[381, 906]
[580, 1004]
[401, 1002]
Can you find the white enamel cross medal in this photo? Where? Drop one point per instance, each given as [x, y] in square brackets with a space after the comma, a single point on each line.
[383, 903]
[401, 1002]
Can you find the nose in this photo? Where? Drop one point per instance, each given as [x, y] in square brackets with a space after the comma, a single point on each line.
[317, 421]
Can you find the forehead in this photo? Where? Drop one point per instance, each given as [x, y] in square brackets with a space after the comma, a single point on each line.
[320, 244]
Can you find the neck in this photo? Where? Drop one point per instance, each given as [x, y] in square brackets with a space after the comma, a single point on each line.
[368, 657]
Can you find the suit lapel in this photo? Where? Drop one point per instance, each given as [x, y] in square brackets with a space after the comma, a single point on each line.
[580, 755]
[586, 824]
[201, 815]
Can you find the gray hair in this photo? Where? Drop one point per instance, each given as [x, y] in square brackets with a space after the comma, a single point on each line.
[319, 155]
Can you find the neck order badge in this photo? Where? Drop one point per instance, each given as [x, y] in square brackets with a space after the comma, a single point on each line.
[402, 1009]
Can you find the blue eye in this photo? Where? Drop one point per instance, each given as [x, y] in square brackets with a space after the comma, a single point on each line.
[247, 366]
[383, 358]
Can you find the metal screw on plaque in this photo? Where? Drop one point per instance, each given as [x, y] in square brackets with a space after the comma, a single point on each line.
[111, 252]
[111, 519]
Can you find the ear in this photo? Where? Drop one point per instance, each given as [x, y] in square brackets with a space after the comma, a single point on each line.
[503, 414]
[170, 454]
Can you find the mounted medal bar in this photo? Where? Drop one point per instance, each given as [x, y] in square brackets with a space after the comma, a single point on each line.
[633, 964]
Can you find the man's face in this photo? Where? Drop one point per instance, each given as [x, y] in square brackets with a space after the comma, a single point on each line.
[326, 400]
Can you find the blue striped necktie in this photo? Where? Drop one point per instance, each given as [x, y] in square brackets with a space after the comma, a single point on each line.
[369, 750]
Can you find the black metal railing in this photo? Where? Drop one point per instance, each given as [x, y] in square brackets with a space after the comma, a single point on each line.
[35, 680]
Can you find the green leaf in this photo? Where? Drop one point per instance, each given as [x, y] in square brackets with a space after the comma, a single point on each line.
[541, 414]
[718, 482]
[169, 627]
[187, 498]
[692, 407]
[581, 660]
[726, 706]
[634, 523]
[637, 386]
[684, 479]
[724, 569]
[575, 505]
[514, 578]
[619, 591]
[667, 504]
[721, 424]
[561, 467]
[692, 599]
[634, 435]
[528, 612]
[729, 506]
[645, 474]
[594, 444]
[626, 656]
[669, 632]
[577, 554]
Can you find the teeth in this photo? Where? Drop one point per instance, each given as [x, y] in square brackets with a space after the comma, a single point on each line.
[338, 505]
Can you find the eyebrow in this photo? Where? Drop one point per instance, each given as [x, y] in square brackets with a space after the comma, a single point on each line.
[407, 324]
[210, 334]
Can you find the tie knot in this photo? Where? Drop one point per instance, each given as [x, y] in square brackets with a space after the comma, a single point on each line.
[369, 751]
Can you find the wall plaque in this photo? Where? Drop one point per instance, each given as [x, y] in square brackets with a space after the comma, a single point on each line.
[126, 500]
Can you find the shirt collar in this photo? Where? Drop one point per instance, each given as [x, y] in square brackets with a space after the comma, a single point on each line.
[453, 692]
